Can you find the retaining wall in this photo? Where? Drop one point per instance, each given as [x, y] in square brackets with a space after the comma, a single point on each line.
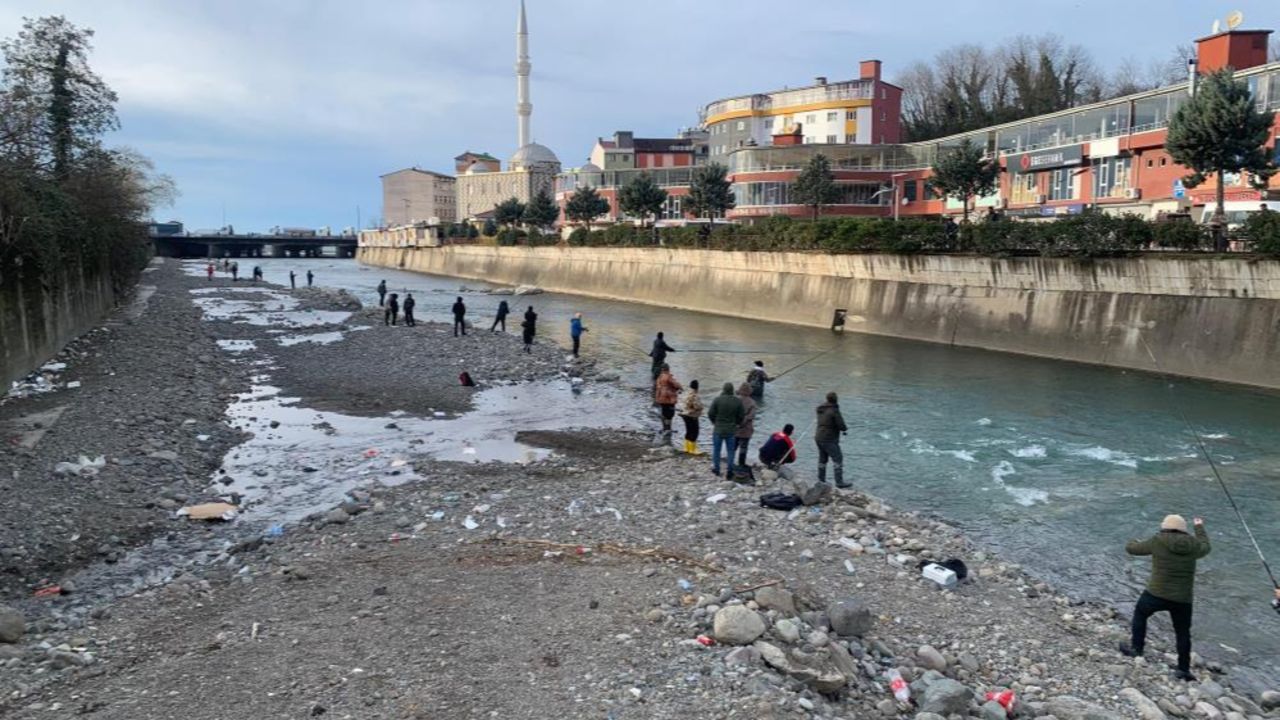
[1207, 318]
[39, 315]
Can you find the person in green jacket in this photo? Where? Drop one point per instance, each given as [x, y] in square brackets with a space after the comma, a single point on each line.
[726, 414]
[830, 426]
[1171, 587]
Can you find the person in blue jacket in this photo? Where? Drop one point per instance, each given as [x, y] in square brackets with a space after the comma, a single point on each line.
[575, 331]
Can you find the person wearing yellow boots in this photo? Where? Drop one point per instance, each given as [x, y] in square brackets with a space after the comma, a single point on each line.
[691, 413]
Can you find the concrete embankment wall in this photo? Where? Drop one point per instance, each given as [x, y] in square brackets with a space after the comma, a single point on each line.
[1207, 318]
[40, 314]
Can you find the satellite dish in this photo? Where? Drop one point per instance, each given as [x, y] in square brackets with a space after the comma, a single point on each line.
[1217, 27]
[1235, 19]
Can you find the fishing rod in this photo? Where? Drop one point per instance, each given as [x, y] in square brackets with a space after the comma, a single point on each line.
[806, 362]
[1214, 467]
[744, 352]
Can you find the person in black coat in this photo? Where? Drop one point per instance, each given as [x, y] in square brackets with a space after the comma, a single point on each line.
[393, 310]
[409, 302]
[382, 293]
[530, 326]
[459, 317]
[503, 311]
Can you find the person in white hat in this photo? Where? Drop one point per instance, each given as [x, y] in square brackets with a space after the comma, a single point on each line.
[1171, 586]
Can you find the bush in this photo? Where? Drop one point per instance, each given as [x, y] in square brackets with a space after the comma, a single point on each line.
[1263, 230]
[541, 239]
[508, 237]
[1180, 234]
[578, 237]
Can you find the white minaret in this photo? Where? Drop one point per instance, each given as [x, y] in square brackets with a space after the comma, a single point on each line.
[524, 108]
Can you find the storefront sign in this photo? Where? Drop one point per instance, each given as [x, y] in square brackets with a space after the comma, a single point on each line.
[1046, 159]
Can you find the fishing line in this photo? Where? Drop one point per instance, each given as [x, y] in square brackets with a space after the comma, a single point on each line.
[1212, 466]
[806, 362]
[745, 352]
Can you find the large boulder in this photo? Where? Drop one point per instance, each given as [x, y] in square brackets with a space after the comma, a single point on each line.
[12, 625]
[929, 658]
[946, 697]
[850, 617]
[1147, 710]
[811, 491]
[775, 598]
[737, 625]
[1066, 707]
[1270, 699]
[817, 670]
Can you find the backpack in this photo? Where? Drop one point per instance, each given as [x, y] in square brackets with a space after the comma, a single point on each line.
[780, 501]
[465, 379]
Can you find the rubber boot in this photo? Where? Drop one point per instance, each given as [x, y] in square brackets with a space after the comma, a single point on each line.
[690, 448]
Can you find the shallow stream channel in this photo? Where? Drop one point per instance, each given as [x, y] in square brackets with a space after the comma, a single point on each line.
[1054, 465]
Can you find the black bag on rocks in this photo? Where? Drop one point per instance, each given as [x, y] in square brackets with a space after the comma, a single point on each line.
[780, 501]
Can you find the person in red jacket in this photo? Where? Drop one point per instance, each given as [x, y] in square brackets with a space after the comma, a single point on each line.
[779, 451]
[666, 393]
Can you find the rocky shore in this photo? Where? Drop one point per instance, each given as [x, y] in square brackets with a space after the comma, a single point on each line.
[611, 579]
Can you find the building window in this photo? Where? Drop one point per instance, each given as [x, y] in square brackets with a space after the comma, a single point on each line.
[658, 161]
[1164, 161]
[1062, 184]
[742, 125]
[851, 115]
[884, 116]
[810, 119]
[1111, 177]
[833, 116]
[808, 140]
[1024, 189]
[832, 140]
[768, 123]
[909, 190]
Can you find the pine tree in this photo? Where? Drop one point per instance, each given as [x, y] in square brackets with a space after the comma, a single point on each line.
[585, 205]
[709, 193]
[962, 173]
[541, 212]
[642, 198]
[1218, 131]
[815, 186]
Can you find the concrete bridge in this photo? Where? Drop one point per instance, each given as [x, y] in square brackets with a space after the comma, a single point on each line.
[253, 245]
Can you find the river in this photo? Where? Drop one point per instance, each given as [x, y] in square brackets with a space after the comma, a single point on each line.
[1053, 464]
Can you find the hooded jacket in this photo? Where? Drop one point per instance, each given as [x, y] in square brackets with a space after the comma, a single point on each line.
[830, 423]
[691, 406]
[1173, 562]
[726, 412]
[667, 390]
[747, 427]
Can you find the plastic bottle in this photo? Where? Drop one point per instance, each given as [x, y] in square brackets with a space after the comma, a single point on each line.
[899, 686]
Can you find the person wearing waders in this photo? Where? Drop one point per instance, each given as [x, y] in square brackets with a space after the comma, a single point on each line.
[1171, 586]
[503, 311]
[830, 424]
[725, 414]
[690, 412]
[746, 428]
[235, 271]
[393, 309]
[575, 332]
[310, 278]
[756, 378]
[293, 280]
[659, 355]
[382, 292]
[409, 302]
[459, 317]
[530, 328]
[666, 392]
[257, 273]
[209, 272]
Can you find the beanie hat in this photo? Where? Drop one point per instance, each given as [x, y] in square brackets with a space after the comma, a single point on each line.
[1174, 522]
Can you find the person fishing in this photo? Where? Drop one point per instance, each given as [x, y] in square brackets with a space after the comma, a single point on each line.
[293, 280]
[209, 272]
[310, 277]
[575, 332]
[382, 292]
[257, 273]
[691, 409]
[666, 393]
[747, 427]
[503, 311]
[779, 451]
[830, 424]
[1170, 587]
[659, 355]
[530, 328]
[392, 310]
[235, 271]
[725, 414]
[409, 302]
[459, 317]
[757, 377]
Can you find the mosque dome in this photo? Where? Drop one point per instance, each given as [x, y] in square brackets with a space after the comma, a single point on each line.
[533, 155]
[590, 167]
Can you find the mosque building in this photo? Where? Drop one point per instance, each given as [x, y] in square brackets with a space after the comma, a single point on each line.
[533, 167]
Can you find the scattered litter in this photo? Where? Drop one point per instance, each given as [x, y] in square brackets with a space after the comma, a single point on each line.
[849, 567]
[470, 523]
[1006, 698]
[253, 633]
[480, 509]
[73, 384]
[49, 591]
[502, 522]
[84, 467]
[705, 641]
[401, 462]
[440, 414]
[900, 689]
[685, 585]
[209, 511]
[717, 498]
[371, 452]
[944, 577]
[203, 438]
[616, 514]
[437, 515]
[54, 366]
[573, 507]
[275, 531]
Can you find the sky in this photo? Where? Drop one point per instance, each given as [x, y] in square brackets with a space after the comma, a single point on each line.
[287, 112]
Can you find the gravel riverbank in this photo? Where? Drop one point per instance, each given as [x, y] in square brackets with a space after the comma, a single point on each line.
[610, 579]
